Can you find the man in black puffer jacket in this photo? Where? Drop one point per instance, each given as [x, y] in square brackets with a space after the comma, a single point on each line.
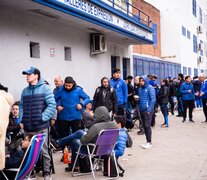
[105, 95]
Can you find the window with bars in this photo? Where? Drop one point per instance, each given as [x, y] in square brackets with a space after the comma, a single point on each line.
[183, 31]
[200, 15]
[194, 7]
[188, 34]
[195, 44]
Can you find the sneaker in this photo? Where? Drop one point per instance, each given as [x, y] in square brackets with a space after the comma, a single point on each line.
[183, 120]
[179, 115]
[55, 144]
[47, 176]
[70, 167]
[204, 121]
[146, 145]
[191, 120]
[141, 132]
[164, 125]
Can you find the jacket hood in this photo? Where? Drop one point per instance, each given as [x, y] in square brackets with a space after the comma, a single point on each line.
[146, 79]
[197, 81]
[8, 97]
[101, 114]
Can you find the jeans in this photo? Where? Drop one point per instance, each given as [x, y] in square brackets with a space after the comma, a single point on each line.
[164, 109]
[69, 139]
[180, 106]
[147, 118]
[198, 101]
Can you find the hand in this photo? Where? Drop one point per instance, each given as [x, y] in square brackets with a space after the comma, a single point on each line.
[114, 115]
[7, 156]
[21, 126]
[52, 122]
[79, 106]
[60, 108]
[189, 91]
[202, 93]
[148, 113]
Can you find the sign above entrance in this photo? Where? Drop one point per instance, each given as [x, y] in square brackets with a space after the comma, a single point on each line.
[107, 17]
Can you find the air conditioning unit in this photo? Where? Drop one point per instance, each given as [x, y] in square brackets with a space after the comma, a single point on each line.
[199, 29]
[98, 44]
[199, 60]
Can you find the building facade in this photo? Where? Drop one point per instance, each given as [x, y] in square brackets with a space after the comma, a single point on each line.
[84, 39]
[184, 33]
[148, 58]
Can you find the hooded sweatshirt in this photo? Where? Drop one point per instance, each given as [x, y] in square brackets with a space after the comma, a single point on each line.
[147, 96]
[102, 121]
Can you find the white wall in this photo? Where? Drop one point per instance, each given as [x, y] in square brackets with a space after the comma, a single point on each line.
[17, 30]
[174, 15]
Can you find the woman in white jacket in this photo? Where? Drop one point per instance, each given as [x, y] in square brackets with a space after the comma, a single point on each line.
[6, 100]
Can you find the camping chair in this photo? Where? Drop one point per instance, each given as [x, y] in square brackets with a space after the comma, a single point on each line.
[30, 158]
[104, 146]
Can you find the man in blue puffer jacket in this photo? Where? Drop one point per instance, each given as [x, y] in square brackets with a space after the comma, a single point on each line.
[146, 105]
[37, 107]
[188, 98]
[121, 90]
[70, 100]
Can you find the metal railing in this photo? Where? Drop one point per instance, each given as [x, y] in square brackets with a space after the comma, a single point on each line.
[129, 9]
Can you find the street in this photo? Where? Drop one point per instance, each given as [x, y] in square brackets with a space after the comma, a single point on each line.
[179, 152]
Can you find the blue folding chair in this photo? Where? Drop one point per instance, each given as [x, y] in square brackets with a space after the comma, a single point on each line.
[104, 146]
[30, 158]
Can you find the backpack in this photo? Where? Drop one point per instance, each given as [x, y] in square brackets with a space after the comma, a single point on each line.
[109, 167]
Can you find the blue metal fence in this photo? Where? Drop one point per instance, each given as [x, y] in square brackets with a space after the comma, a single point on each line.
[161, 69]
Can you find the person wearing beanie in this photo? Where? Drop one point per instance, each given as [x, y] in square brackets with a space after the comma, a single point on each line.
[70, 99]
[37, 107]
[121, 90]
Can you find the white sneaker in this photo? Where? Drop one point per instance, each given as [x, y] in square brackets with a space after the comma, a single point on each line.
[146, 145]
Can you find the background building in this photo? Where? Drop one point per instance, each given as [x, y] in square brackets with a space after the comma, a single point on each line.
[184, 33]
[84, 39]
[148, 59]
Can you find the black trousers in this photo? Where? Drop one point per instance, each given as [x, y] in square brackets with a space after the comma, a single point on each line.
[65, 127]
[172, 104]
[204, 102]
[188, 104]
[147, 119]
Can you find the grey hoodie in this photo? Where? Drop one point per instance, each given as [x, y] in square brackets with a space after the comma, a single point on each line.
[102, 121]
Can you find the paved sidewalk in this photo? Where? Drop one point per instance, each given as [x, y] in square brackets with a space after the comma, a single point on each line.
[179, 152]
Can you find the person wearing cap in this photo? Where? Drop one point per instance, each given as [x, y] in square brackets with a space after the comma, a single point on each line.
[121, 90]
[37, 107]
[146, 106]
[70, 100]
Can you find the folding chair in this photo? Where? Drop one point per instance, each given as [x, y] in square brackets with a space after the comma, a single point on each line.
[30, 158]
[104, 146]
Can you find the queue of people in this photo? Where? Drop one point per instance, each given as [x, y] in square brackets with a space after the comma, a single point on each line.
[75, 118]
